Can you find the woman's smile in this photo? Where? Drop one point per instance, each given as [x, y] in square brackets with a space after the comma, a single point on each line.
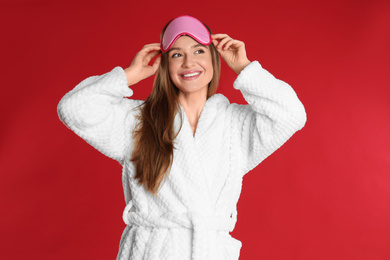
[190, 75]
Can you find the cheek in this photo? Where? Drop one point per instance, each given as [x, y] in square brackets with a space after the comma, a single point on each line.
[173, 64]
[172, 71]
[207, 62]
[208, 65]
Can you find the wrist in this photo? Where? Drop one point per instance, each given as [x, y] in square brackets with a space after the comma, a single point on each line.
[242, 66]
[130, 76]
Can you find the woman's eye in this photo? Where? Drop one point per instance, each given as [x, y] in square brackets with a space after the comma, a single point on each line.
[199, 51]
[176, 55]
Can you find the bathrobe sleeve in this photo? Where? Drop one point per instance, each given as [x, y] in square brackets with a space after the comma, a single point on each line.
[273, 115]
[98, 111]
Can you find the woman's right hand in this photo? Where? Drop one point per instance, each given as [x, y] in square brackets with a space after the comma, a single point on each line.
[140, 68]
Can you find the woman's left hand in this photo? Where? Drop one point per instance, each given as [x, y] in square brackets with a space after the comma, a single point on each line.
[232, 51]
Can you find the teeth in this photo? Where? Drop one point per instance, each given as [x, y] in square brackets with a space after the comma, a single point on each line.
[191, 74]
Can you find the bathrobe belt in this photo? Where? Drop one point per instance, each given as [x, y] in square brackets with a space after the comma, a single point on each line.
[190, 220]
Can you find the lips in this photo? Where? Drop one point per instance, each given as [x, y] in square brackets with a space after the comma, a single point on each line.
[190, 75]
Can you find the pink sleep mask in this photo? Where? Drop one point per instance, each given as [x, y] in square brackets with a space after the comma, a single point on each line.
[185, 25]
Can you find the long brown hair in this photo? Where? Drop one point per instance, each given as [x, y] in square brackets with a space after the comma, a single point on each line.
[154, 134]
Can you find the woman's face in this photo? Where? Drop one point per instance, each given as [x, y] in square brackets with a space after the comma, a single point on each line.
[190, 65]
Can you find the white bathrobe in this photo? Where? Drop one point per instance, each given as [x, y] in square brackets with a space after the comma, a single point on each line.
[195, 208]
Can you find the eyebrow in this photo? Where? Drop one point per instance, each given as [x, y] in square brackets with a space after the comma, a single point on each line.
[193, 47]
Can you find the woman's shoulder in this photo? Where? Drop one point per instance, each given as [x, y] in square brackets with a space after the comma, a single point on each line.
[218, 100]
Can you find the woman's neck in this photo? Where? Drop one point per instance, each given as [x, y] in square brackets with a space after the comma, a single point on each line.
[193, 104]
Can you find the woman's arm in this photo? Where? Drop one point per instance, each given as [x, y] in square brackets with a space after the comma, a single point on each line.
[273, 115]
[98, 109]
[274, 112]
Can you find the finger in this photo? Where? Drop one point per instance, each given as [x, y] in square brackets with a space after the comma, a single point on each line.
[152, 44]
[219, 50]
[150, 47]
[216, 38]
[233, 43]
[219, 36]
[151, 70]
[151, 55]
[156, 63]
[215, 42]
[223, 42]
[227, 46]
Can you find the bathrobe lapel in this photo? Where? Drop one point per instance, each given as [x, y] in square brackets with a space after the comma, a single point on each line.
[197, 189]
[202, 153]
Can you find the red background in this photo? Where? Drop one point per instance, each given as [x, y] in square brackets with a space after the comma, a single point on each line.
[324, 195]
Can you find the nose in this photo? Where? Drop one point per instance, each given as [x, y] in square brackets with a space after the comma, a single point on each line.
[188, 61]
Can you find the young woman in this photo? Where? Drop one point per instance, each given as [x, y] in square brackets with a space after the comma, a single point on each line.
[185, 149]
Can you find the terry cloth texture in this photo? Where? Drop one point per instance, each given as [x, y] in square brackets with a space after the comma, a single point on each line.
[195, 208]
